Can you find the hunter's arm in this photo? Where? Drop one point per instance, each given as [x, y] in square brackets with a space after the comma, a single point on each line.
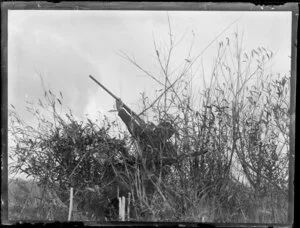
[131, 123]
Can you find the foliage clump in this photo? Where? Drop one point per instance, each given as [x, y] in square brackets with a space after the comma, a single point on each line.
[68, 153]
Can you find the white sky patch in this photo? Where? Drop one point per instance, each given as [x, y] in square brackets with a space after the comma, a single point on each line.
[93, 109]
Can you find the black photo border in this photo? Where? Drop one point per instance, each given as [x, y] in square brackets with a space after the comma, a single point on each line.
[163, 6]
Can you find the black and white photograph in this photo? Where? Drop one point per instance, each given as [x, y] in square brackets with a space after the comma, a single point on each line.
[150, 115]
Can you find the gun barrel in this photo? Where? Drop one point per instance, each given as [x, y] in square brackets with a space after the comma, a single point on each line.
[103, 87]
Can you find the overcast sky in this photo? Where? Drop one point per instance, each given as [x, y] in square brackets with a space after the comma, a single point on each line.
[66, 46]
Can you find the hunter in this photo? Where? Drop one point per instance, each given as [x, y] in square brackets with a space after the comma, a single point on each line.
[156, 153]
[153, 141]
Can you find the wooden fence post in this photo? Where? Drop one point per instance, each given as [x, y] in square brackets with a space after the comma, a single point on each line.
[71, 204]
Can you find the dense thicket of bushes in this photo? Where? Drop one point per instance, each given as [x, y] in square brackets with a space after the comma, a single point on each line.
[232, 140]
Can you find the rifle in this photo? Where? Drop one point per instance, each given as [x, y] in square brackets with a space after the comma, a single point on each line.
[110, 93]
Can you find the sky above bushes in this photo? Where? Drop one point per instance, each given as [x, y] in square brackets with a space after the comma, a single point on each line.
[64, 47]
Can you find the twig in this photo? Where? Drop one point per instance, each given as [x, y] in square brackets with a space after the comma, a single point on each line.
[124, 55]
[78, 163]
[158, 98]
